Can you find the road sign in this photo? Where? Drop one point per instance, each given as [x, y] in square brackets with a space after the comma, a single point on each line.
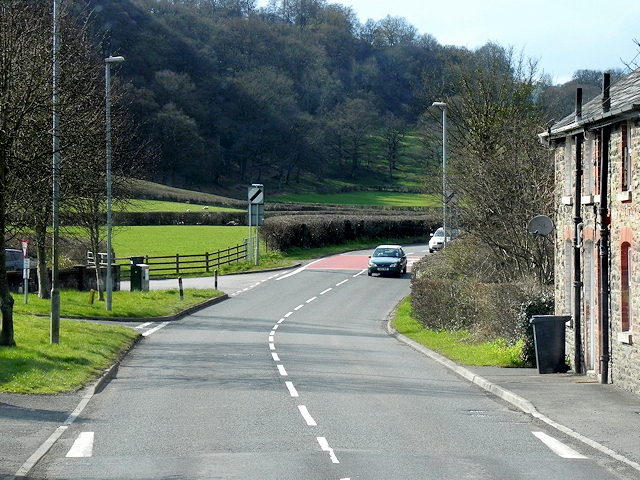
[256, 195]
[256, 214]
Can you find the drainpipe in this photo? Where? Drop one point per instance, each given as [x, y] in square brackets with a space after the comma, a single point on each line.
[577, 224]
[604, 257]
[577, 283]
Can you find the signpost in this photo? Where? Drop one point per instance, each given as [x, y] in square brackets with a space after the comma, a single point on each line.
[25, 270]
[256, 214]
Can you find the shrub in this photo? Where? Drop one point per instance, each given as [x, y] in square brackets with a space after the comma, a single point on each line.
[452, 290]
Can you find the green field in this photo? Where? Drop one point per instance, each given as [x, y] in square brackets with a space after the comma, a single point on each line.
[168, 240]
[161, 206]
[369, 197]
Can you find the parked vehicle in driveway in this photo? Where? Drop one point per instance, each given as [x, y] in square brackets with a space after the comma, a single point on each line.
[388, 259]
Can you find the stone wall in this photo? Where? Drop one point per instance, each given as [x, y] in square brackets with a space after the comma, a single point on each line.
[624, 209]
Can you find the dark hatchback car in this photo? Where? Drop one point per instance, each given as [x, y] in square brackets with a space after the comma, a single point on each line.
[389, 259]
[13, 259]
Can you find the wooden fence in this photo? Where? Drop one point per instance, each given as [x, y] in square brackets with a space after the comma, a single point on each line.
[183, 264]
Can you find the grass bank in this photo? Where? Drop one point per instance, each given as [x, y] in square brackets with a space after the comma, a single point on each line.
[456, 345]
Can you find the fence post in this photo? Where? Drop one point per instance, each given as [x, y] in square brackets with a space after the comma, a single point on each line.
[177, 264]
[207, 260]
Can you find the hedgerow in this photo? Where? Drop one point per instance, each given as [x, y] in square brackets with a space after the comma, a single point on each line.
[455, 290]
[314, 231]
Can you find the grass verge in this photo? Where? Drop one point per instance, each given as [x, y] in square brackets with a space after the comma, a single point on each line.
[456, 345]
[154, 303]
[36, 366]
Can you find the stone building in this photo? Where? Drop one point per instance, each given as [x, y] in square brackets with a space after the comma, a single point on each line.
[597, 236]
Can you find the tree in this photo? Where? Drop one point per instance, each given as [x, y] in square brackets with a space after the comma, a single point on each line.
[350, 130]
[25, 97]
[503, 175]
[394, 132]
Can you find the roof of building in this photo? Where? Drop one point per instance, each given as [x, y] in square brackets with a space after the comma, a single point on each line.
[624, 101]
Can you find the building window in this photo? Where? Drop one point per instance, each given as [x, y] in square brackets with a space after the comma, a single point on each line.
[626, 157]
[625, 287]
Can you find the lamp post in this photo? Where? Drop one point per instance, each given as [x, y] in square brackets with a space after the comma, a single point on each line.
[444, 167]
[55, 287]
[107, 73]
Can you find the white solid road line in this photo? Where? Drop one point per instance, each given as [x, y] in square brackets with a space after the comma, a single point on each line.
[83, 446]
[307, 416]
[558, 447]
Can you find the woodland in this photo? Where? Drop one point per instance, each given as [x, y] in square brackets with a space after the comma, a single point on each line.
[230, 94]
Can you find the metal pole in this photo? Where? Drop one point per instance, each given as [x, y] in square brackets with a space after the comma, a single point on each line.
[107, 74]
[444, 167]
[55, 288]
[444, 173]
[250, 246]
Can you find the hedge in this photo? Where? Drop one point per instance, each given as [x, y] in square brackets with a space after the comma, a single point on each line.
[315, 231]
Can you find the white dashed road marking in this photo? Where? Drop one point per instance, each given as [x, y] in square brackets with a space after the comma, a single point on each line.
[326, 448]
[290, 387]
[307, 416]
[292, 390]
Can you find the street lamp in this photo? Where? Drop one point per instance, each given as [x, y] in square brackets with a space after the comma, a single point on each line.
[444, 167]
[107, 74]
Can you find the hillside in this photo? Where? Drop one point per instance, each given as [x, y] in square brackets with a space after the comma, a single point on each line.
[298, 96]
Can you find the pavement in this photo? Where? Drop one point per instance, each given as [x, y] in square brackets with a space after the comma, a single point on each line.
[604, 417]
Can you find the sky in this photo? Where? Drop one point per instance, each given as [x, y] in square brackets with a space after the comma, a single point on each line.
[563, 35]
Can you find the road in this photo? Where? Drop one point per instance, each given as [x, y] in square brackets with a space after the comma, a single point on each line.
[295, 377]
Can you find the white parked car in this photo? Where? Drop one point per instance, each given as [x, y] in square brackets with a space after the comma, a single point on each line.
[437, 239]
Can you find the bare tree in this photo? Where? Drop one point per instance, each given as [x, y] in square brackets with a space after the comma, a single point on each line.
[502, 174]
[25, 97]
